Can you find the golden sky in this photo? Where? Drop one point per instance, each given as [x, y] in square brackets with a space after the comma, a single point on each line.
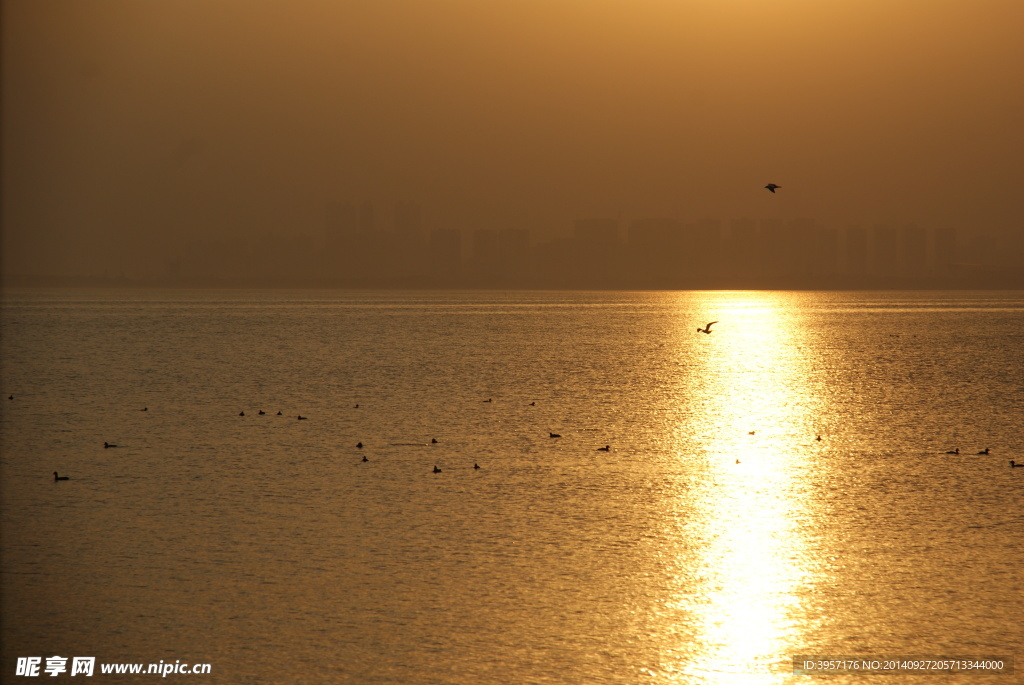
[129, 124]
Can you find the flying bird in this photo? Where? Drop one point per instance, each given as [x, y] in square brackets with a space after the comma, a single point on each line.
[772, 187]
[707, 328]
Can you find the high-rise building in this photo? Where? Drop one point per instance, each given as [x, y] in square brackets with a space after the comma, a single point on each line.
[366, 216]
[603, 232]
[886, 255]
[945, 248]
[654, 235]
[351, 249]
[655, 250]
[803, 248]
[825, 252]
[702, 245]
[856, 250]
[444, 249]
[408, 219]
[486, 252]
[914, 251]
[595, 251]
[741, 249]
[341, 218]
[777, 248]
[514, 251]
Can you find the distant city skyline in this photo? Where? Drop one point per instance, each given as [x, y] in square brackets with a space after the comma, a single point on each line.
[361, 245]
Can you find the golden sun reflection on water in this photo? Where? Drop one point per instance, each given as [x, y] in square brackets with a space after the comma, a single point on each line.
[743, 508]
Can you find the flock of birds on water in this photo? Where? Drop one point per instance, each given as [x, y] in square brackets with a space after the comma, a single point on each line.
[359, 445]
[607, 448]
[476, 466]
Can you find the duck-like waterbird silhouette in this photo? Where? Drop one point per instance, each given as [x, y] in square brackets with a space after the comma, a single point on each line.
[707, 328]
[56, 477]
[606, 448]
[984, 451]
[436, 470]
[1013, 465]
[956, 451]
[771, 187]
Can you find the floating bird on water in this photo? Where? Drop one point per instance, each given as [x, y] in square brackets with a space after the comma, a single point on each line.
[707, 328]
[771, 187]
[1013, 465]
[359, 445]
[476, 466]
[56, 477]
[956, 451]
[301, 418]
[554, 435]
[984, 451]
[261, 412]
[436, 470]
[433, 441]
[108, 444]
[606, 448]
[365, 459]
[241, 413]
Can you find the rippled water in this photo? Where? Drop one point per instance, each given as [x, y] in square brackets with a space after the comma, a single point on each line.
[713, 541]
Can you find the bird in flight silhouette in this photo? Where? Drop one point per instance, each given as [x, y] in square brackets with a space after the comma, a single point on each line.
[707, 328]
[772, 187]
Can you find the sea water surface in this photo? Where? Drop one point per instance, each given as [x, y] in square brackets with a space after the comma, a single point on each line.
[715, 539]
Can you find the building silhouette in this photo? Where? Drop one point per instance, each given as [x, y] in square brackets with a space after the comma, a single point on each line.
[856, 252]
[444, 255]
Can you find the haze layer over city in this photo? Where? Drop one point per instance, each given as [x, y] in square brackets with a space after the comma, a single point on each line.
[519, 144]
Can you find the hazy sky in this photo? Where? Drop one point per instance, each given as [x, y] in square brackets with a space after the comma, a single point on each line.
[131, 126]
